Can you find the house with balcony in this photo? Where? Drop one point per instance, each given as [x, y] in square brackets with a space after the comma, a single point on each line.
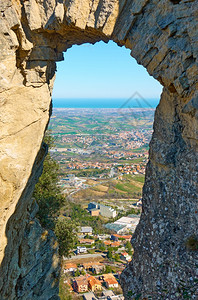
[111, 283]
[94, 284]
[80, 284]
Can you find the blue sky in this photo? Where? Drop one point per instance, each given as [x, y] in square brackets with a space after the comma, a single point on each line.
[102, 71]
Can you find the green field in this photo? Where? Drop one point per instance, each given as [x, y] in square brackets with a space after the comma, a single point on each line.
[128, 188]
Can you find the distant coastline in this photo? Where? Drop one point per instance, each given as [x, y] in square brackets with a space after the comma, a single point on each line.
[105, 103]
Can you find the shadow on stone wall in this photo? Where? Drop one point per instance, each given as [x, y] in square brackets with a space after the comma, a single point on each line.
[31, 263]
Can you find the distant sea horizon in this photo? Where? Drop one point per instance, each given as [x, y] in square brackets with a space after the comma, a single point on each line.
[105, 103]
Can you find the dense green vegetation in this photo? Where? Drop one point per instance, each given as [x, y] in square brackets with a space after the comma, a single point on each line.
[66, 233]
[128, 247]
[47, 193]
[75, 211]
[64, 293]
[48, 196]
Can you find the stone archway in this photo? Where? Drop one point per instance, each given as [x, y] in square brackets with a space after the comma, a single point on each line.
[162, 37]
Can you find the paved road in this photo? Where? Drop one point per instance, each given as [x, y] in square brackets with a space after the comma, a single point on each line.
[85, 256]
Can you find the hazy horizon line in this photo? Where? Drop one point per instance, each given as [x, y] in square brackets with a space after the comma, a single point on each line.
[100, 98]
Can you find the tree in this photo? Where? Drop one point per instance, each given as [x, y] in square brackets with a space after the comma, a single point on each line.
[109, 254]
[117, 257]
[100, 245]
[47, 193]
[102, 248]
[83, 272]
[66, 233]
[108, 269]
[77, 273]
[128, 246]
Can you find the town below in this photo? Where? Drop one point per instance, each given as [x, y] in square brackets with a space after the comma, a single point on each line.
[102, 155]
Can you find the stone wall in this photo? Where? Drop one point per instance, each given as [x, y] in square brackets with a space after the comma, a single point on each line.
[162, 37]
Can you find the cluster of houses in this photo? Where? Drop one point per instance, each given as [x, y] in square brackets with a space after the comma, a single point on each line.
[86, 277]
[95, 268]
[85, 283]
[113, 240]
[72, 181]
[136, 168]
[133, 169]
[79, 165]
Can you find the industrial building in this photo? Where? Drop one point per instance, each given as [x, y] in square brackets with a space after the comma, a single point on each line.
[105, 211]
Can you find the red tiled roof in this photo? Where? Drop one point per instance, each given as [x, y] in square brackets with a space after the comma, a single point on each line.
[70, 265]
[111, 281]
[123, 236]
[115, 244]
[92, 281]
[124, 253]
[107, 242]
[81, 281]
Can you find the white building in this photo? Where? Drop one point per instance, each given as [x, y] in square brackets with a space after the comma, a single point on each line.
[116, 297]
[125, 256]
[130, 222]
[89, 296]
[81, 250]
[70, 268]
[112, 173]
[103, 236]
[86, 230]
[107, 211]
[109, 295]
[111, 283]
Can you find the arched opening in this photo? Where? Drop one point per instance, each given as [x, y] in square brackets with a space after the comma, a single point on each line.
[162, 38]
[102, 120]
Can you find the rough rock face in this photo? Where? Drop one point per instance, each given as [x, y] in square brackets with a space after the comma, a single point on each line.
[162, 36]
